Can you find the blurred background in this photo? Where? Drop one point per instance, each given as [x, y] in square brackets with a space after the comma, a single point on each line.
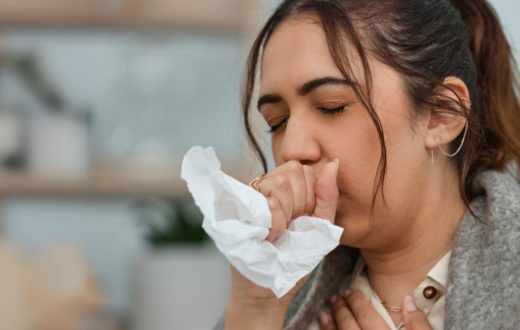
[99, 101]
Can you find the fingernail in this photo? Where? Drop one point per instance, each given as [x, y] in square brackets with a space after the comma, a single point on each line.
[409, 305]
[347, 293]
[334, 298]
[324, 318]
[336, 161]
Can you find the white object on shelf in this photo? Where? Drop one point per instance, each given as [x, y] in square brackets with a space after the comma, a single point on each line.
[182, 287]
[59, 147]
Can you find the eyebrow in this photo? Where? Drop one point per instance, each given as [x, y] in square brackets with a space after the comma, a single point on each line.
[305, 89]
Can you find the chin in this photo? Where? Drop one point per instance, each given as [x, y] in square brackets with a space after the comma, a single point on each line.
[355, 229]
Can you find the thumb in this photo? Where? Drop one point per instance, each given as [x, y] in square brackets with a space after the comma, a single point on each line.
[414, 319]
[326, 190]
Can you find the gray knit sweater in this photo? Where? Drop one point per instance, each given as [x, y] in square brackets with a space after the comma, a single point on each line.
[484, 272]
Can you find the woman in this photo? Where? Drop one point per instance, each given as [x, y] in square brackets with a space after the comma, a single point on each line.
[398, 121]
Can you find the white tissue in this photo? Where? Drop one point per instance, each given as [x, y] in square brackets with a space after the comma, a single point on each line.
[238, 219]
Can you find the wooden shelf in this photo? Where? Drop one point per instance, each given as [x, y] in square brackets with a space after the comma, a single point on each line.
[102, 181]
[206, 14]
[44, 12]
[108, 180]
[212, 14]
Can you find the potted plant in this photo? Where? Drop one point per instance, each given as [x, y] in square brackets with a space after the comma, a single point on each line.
[182, 281]
[171, 222]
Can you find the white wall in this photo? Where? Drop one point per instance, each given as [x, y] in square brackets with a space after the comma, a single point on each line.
[508, 12]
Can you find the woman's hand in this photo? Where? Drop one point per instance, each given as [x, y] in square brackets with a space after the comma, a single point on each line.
[353, 311]
[291, 190]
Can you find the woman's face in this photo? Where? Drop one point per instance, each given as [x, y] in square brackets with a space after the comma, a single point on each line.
[316, 117]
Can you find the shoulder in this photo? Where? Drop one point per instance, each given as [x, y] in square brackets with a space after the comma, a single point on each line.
[500, 205]
[486, 258]
[497, 206]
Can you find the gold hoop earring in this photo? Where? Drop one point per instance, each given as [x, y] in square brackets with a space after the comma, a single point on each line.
[461, 144]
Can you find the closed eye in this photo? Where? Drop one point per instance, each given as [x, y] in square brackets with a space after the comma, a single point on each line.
[275, 127]
[331, 111]
[327, 111]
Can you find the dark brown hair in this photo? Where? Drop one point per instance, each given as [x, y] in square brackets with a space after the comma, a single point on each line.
[425, 41]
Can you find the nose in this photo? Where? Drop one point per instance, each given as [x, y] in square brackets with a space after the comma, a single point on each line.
[300, 142]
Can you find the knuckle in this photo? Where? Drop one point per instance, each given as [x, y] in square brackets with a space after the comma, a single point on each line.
[342, 314]
[273, 204]
[294, 166]
[338, 305]
[363, 312]
[361, 308]
[353, 298]
[281, 181]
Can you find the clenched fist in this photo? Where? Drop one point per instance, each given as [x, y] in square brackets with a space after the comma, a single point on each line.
[292, 190]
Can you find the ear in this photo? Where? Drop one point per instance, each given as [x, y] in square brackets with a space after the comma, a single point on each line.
[445, 126]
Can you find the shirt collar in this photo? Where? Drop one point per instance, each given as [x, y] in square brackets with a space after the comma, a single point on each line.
[438, 273]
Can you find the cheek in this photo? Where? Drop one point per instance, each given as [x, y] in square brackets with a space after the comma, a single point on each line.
[360, 154]
[405, 162]
[405, 175]
[405, 148]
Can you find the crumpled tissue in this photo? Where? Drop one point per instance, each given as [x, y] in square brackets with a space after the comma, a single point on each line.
[238, 219]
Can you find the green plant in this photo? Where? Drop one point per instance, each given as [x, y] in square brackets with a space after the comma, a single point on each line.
[171, 221]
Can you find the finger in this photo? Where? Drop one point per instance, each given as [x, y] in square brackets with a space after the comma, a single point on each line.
[414, 318]
[363, 311]
[310, 182]
[327, 192]
[298, 186]
[342, 315]
[326, 322]
[278, 220]
[279, 187]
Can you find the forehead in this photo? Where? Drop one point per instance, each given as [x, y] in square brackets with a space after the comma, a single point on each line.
[296, 51]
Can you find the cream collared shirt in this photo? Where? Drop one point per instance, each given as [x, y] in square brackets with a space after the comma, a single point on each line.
[432, 304]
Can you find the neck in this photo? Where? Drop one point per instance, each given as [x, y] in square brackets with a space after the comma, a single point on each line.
[417, 253]
[396, 270]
